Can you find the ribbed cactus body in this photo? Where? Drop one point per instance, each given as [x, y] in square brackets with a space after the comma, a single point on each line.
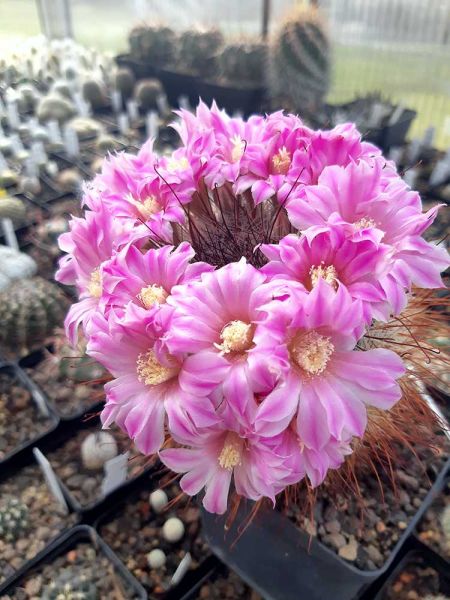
[94, 92]
[30, 309]
[199, 50]
[12, 208]
[299, 67]
[243, 62]
[13, 520]
[147, 92]
[154, 44]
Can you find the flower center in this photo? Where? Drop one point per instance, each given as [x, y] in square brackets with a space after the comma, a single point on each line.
[328, 274]
[282, 161]
[238, 148]
[152, 294]
[364, 223]
[95, 284]
[148, 207]
[231, 453]
[311, 351]
[150, 371]
[177, 164]
[237, 336]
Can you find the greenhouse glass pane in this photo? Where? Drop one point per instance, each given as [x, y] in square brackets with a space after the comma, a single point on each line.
[18, 20]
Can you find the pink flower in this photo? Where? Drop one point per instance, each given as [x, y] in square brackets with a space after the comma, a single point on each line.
[218, 317]
[148, 380]
[223, 452]
[89, 244]
[147, 278]
[327, 254]
[368, 204]
[326, 383]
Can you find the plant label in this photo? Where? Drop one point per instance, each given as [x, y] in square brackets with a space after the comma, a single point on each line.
[51, 479]
[151, 123]
[13, 115]
[116, 470]
[116, 100]
[396, 114]
[182, 569]
[395, 154]
[132, 110]
[10, 234]
[410, 177]
[161, 102]
[414, 149]
[428, 137]
[40, 402]
[123, 123]
[183, 102]
[71, 142]
[440, 173]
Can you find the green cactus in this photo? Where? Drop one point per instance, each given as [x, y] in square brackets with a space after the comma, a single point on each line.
[299, 62]
[147, 92]
[199, 50]
[30, 309]
[155, 44]
[95, 93]
[55, 108]
[243, 62]
[124, 81]
[12, 208]
[8, 178]
[70, 585]
[13, 520]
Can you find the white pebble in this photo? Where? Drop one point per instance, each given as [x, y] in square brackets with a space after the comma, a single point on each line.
[158, 500]
[173, 530]
[156, 559]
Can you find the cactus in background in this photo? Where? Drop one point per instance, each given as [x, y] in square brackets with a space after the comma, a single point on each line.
[55, 108]
[147, 92]
[8, 178]
[16, 265]
[299, 62]
[12, 208]
[13, 520]
[157, 45]
[30, 309]
[243, 62]
[135, 42]
[70, 585]
[95, 93]
[124, 81]
[199, 50]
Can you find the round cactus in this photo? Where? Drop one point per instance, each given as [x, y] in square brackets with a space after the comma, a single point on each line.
[299, 62]
[147, 92]
[12, 208]
[135, 41]
[16, 265]
[243, 62]
[198, 51]
[55, 108]
[13, 520]
[124, 81]
[30, 309]
[158, 45]
[95, 94]
[96, 449]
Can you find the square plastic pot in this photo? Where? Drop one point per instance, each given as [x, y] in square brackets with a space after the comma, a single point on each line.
[283, 562]
[247, 100]
[64, 543]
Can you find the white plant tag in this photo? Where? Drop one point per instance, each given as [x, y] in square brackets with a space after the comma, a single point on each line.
[3, 163]
[40, 402]
[10, 234]
[396, 114]
[395, 154]
[116, 101]
[13, 115]
[151, 123]
[428, 137]
[116, 470]
[410, 177]
[182, 569]
[54, 132]
[414, 149]
[161, 102]
[123, 123]
[71, 142]
[183, 102]
[440, 172]
[132, 110]
[51, 479]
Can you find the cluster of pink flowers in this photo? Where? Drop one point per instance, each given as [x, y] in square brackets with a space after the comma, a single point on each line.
[247, 373]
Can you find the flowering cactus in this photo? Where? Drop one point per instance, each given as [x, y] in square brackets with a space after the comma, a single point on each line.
[231, 289]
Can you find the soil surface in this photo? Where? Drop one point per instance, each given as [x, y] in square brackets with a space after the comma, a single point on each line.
[417, 581]
[228, 586]
[434, 527]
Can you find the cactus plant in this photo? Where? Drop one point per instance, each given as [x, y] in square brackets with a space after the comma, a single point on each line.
[69, 180]
[107, 143]
[95, 93]
[12, 208]
[156, 44]
[55, 108]
[8, 178]
[147, 92]
[70, 585]
[198, 51]
[30, 309]
[124, 81]
[97, 448]
[299, 61]
[16, 265]
[85, 127]
[13, 520]
[243, 62]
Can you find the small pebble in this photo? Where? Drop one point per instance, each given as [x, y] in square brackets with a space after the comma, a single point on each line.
[156, 559]
[173, 530]
[158, 500]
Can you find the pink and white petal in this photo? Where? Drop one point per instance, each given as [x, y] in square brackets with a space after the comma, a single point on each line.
[217, 489]
[278, 408]
[182, 460]
[312, 424]
[202, 372]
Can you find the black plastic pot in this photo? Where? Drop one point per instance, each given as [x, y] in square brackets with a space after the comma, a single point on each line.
[428, 558]
[64, 543]
[141, 69]
[193, 578]
[247, 100]
[180, 84]
[282, 562]
[33, 360]
[21, 454]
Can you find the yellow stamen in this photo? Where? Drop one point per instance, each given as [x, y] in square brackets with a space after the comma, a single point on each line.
[231, 454]
[282, 161]
[328, 274]
[95, 284]
[151, 372]
[311, 352]
[175, 164]
[238, 148]
[237, 336]
[364, 223]
[148, 207]
[152, 294]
